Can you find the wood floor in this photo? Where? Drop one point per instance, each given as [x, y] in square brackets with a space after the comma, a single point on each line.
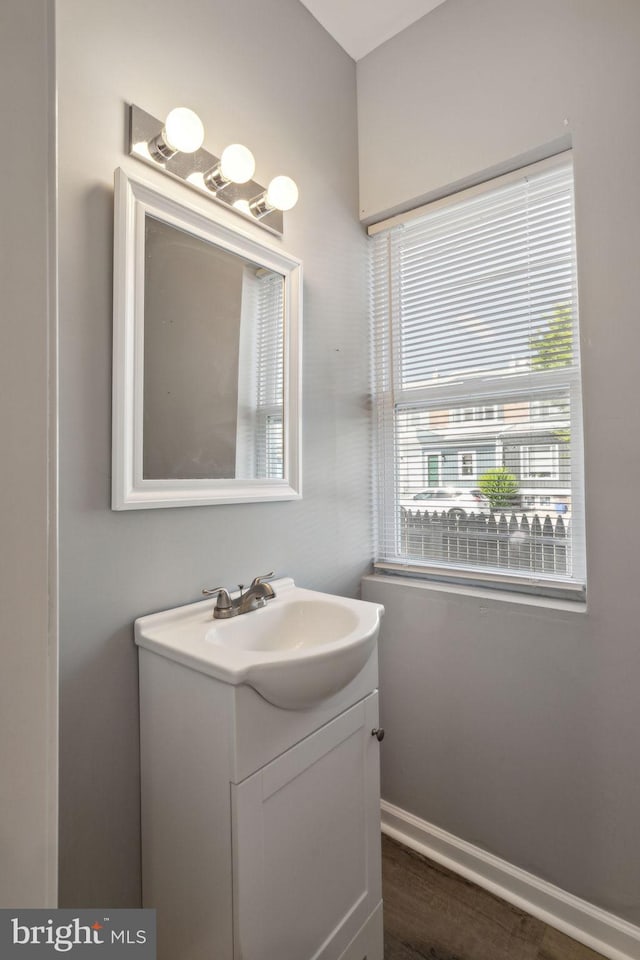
[431, 913]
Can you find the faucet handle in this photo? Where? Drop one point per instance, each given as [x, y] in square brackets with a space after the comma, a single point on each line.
[257, 580]
[224, 600]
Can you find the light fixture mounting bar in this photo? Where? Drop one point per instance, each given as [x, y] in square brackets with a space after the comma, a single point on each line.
[190, 168]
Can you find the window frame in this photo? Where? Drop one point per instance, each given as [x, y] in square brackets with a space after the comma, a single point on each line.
[487, 392]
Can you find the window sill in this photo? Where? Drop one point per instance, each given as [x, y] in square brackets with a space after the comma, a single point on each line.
[484, 593]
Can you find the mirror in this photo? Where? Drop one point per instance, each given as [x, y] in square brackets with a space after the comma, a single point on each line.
[213, 356]
[206, 357]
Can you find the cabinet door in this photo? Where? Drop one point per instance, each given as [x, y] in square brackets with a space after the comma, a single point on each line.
[306, 844]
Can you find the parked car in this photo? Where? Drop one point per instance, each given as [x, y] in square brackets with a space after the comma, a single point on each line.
[452, 500]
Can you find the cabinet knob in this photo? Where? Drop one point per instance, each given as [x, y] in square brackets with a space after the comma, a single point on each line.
[378, 733]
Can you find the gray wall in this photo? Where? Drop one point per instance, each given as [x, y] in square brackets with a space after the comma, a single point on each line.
[516, 727]
[28, 703]
[266, 74]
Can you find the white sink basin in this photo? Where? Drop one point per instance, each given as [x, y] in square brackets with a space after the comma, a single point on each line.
[301, 648]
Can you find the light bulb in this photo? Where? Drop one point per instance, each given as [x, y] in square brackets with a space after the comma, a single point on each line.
[282, 193]
[183, 130]
[237, 163]
[196, 179]
[242, 206]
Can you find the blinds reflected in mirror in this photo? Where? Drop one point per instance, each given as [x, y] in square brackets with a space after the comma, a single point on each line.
[261, 376]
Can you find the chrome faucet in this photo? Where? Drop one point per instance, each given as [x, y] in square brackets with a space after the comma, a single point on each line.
[254, 598]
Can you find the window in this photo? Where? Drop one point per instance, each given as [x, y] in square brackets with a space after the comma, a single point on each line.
[475, 333]
[540, 462]
[463, 415]
[548, 408]
[466, 465]
[489, 412]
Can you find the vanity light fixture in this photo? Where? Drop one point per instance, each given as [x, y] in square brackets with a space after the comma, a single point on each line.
[175, 147]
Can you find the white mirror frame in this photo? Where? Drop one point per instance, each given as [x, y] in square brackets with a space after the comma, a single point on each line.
[134, 199]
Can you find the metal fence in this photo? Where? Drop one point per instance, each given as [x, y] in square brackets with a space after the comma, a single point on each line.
[515, 541]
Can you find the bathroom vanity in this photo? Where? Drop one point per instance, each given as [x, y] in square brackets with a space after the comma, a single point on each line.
[260, 821]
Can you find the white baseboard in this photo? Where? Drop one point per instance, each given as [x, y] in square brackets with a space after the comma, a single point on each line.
[601, 931]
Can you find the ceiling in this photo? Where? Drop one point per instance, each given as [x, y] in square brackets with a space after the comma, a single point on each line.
[360, 26]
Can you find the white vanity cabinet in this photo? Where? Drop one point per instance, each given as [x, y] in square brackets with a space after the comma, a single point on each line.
[260, 825]
[306, 838]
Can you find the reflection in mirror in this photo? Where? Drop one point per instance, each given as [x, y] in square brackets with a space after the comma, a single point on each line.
[206, 358]
[213, 361]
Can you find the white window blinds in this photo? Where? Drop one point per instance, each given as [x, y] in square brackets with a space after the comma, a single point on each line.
[477, 386]
[270, 380]
[260, 437]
